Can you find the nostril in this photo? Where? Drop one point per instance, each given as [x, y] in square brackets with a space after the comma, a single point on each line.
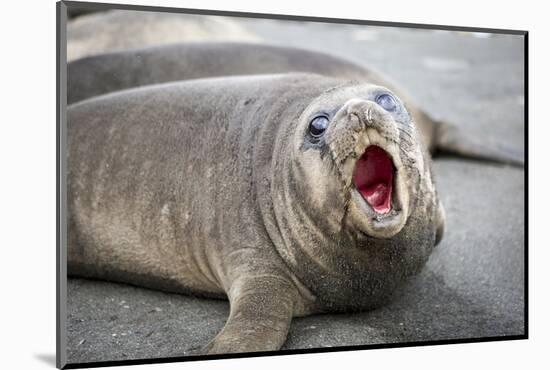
[355, 122]
[368, 115]
[364, 114]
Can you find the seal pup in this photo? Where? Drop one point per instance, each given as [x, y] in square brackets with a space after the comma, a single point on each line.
[288, 194]
[92, 76]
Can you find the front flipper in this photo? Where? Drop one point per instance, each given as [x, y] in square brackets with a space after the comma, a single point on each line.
[260, 315]
[451, 140]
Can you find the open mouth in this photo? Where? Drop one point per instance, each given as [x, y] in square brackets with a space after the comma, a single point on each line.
[373, 178]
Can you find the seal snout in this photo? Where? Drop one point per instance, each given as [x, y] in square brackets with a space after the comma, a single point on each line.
[366, 145]
[373, 178]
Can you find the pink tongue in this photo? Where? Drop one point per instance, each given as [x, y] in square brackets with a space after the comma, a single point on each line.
[373, 177]
[378, 196]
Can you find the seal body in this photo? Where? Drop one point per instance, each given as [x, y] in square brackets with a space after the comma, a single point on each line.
[100, 74]
[252, 188]
[104, 73]
[116, 30]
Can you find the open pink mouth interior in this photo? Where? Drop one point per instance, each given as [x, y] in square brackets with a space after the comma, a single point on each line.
[373, 177]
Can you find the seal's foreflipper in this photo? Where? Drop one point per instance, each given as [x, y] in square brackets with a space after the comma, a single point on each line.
[259, 318]
[451, 140]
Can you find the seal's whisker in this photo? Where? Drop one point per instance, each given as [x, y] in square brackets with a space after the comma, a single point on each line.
[407, 132]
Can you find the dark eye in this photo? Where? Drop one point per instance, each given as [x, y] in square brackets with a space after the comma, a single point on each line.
[318, 125]
[387, 102]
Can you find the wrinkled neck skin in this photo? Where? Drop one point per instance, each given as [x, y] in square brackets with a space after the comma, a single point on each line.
[315, 217]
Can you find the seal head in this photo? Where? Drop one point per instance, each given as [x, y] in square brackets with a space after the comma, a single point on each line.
[354, 204]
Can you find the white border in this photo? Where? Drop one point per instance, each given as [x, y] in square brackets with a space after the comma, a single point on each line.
[27, 189]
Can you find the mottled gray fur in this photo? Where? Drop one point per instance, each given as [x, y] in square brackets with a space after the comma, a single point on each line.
[213, 187]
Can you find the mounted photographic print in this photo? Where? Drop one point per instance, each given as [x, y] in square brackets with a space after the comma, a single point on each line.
[236, 184]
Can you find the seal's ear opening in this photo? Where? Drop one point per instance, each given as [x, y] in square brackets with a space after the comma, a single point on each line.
[439, 222]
